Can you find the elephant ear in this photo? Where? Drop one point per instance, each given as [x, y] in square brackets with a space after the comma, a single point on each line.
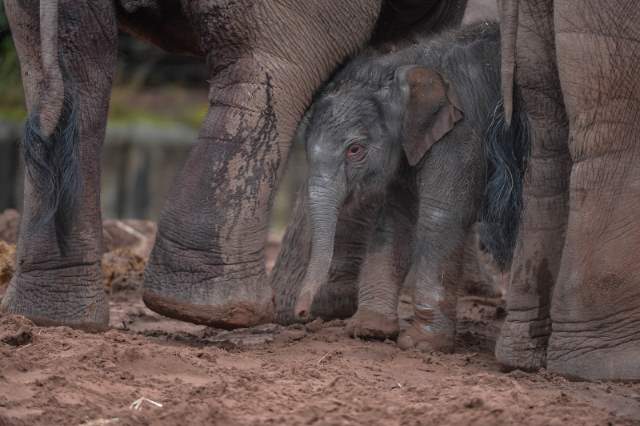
[431, 109]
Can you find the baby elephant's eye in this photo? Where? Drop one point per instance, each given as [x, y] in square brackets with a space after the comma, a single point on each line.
[355, 152]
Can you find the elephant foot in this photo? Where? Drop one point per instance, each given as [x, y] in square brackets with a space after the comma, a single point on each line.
[523, 344]
[597, 350]
[373, 325]
[50, 299]
[431, 330]
[424, 338]
[218, 296]
[237, 312]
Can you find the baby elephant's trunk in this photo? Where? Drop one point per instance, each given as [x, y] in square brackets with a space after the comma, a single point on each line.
[324, 202]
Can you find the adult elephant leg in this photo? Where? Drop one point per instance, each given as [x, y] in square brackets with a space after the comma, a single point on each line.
[58, 280]
[338, 297]
[266, 60]
[207, 263]
[596, 305]
[525, 333]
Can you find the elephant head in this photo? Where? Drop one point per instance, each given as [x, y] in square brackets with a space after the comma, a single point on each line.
[358, 141]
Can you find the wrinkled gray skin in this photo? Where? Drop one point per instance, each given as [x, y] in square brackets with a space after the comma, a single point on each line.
[401, 136]
[573, 302]
[265, 60]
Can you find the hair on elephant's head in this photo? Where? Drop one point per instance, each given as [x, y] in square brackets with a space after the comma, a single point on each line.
[359, 133]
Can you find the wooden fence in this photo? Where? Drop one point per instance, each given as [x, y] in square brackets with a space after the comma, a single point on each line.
[139, 163]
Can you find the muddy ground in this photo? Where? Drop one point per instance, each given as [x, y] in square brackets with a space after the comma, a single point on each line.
[312, 374]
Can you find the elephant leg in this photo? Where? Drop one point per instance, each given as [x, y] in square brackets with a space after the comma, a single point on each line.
[595, 311]
[207, 264]
[384, 269]
[437, 271]
[481, 275]
[266, 59]
[337, 298]
[523, 340]
[450, 191]
[52, 285]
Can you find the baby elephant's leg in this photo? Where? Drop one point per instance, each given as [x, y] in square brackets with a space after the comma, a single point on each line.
[383, 271]
[437, 273]
[449, 196]
[481, 274]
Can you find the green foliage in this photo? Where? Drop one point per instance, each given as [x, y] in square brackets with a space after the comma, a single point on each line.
[124, 109]
[3, 18]
[12, 99]
[167, 82]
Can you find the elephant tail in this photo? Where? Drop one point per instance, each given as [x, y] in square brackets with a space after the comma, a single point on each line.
[507, 150]
[51, 140]
[509, 34]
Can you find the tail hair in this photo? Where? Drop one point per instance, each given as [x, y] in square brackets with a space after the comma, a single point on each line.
[52, 164]
[507, 150]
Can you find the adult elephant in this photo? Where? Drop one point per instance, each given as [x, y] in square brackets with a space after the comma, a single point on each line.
[574, 296]
[265, 59]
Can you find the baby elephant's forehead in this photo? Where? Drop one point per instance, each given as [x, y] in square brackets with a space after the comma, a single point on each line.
[340, 112]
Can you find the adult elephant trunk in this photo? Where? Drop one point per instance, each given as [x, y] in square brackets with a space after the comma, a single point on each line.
[325, 199]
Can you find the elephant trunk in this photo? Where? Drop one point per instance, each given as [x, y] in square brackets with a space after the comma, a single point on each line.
[53, 94]
[509, 34]
[324, 203]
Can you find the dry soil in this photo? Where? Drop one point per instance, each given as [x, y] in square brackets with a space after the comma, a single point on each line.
[298, 375]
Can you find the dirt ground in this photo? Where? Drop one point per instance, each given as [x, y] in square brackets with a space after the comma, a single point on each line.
[297, 375]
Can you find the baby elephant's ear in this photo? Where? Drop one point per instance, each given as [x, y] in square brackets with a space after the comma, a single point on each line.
[431, 109]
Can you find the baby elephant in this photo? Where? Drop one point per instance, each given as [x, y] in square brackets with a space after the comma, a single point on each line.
[418, 138]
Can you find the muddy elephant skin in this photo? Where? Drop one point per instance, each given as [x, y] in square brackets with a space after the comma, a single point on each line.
[265, 59]
[573, 302]
[420, 135]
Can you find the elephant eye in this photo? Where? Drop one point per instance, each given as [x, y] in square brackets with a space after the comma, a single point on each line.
[355, 152]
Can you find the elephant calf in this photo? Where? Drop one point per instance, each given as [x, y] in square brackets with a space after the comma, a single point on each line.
[417, 138]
